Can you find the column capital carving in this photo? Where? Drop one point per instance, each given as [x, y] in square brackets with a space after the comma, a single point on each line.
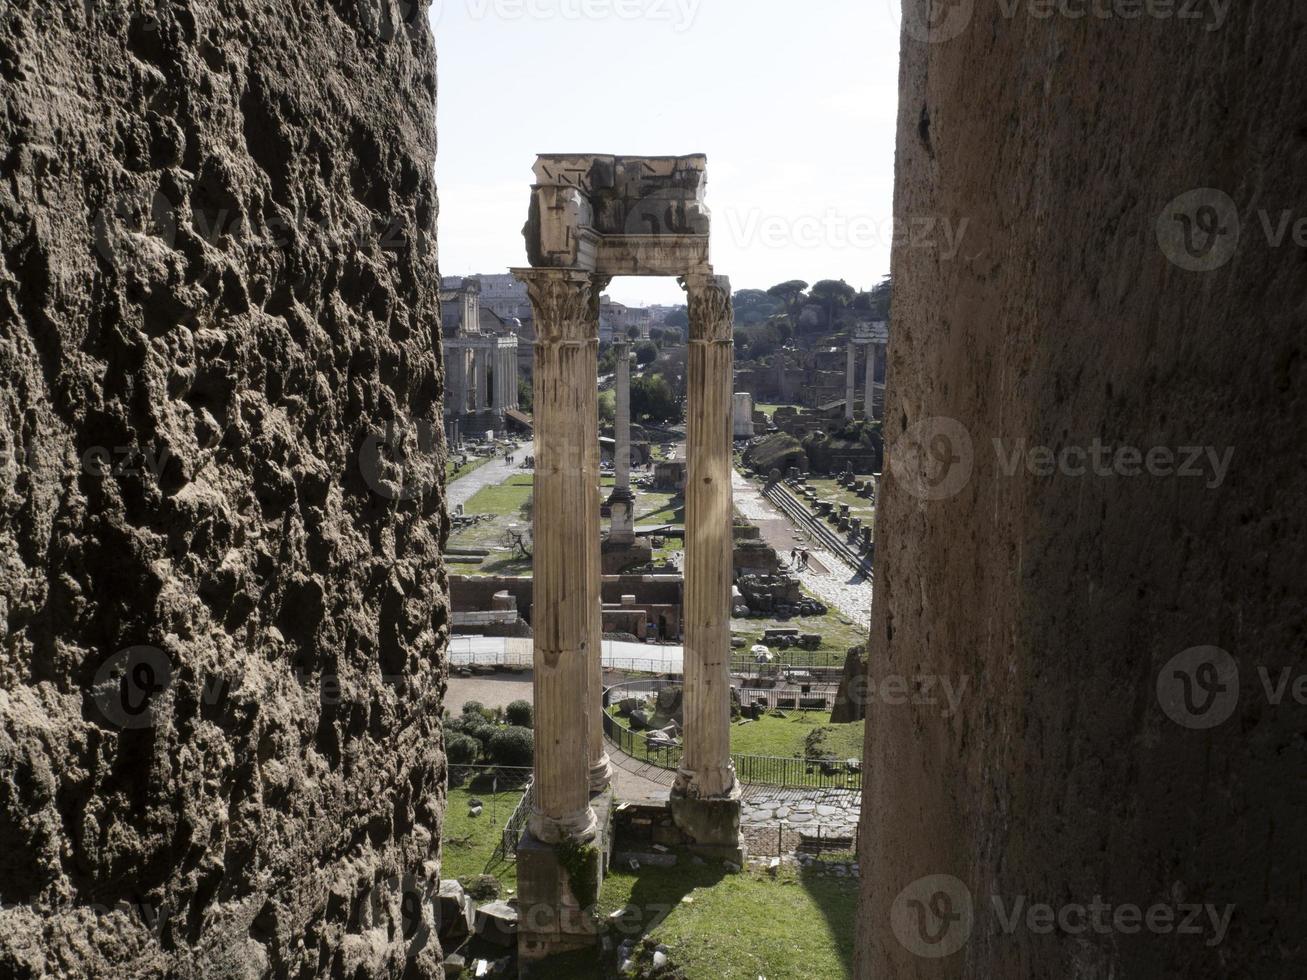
[565, 303]
[711, 315]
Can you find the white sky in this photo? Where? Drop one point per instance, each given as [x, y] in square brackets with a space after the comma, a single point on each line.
[794, 102]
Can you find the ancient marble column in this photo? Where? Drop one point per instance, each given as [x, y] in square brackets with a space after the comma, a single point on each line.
[600, 767]
[706, 769]
[621, 502]
[564, 507]
[869, 396]
[850, 380]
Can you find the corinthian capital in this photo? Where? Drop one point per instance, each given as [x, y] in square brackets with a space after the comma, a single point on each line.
[561, 301]
[711, 315]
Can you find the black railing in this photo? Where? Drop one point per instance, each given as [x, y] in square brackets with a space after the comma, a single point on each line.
[749, 769]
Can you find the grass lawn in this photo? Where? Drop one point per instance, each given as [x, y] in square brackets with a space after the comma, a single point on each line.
[453, 471]
[652, 507]
[799, 926]
[467, 843]
[782, 737]
[770, 410]
[786, 737]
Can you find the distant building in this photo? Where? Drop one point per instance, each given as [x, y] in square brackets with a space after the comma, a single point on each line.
[481, 360]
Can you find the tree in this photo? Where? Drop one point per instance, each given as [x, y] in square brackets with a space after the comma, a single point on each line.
[607, 405]
[679, 317]
[632, 333]
[833, 295]
[525, 394]
[754, 306]
[741, 343]
[652, 400]
[790, 293]
[461, 750]
[645, 353]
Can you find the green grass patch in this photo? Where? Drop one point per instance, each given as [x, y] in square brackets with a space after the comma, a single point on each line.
[742, 926]
[467, 842]
[782, 737]
[840, 741]
[454, 471]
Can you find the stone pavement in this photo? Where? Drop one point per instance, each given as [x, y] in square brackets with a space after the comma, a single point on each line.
[827, 577]
[490, 475]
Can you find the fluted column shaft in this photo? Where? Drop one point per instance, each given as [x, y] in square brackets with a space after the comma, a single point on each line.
[869, 396]
[562, 619]
[600, 767]
[622, 502]
[706, 768]
[622, 420]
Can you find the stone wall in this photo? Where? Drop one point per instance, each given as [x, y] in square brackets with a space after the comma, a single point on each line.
[224, 604]
[1062, 601]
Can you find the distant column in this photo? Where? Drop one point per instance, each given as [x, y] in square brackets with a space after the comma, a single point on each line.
[565, 387]
[850, 381]
[622, 502]
[869, 397]
[706, 769]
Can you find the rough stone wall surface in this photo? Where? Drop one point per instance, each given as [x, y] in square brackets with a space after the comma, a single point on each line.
[220, 752]
[1062, 600]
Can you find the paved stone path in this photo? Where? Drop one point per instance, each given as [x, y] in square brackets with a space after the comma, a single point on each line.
[827, 577]
[489, 475]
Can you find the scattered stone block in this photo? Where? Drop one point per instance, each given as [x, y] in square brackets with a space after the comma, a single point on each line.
[497, 923]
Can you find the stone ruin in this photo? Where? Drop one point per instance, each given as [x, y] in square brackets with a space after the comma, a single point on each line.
[592, 218]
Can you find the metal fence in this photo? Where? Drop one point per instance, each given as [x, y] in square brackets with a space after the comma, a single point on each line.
[749, 769]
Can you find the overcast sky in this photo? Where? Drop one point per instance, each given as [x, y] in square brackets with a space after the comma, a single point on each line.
[794, 102]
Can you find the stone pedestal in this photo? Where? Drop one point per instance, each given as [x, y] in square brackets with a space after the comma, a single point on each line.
[707, 773]
[566, 503]
[557, 891]
[712, 827]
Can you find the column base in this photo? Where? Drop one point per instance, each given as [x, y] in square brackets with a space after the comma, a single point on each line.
[601, 774]
[711, 826]
[621, 507]
[558, 888]
[579, 826]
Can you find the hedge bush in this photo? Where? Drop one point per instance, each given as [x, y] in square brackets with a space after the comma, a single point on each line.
[513, 746]
[461, 749]
[521, 714]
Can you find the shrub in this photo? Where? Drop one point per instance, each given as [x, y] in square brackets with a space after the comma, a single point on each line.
[513, 746]
[462, 750]
[521, 714]
[474, 708]
[481, 730]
